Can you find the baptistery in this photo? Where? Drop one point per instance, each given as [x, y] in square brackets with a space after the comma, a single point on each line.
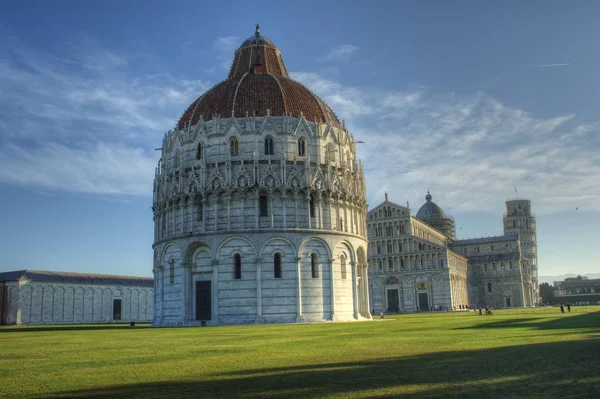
[259, 205]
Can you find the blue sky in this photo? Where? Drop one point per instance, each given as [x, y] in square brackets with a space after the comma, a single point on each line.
[467, 99]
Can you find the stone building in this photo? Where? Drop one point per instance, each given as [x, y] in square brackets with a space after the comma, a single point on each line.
[259, 204]
[418, 264]
[44, 297]
[576, 291]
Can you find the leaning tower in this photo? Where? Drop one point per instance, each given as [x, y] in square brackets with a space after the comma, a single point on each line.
[520, 220]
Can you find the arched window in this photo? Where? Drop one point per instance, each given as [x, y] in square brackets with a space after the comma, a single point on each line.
[200, 150]
[330, 152]
[343, 266]
[172, 271]
[312, 206]
[401, 263]
[263, 205]
[237, 266]
[199, 209]
[441, 263]
[177, 160]
[489, 287]
[301, 147]
[314, 267]
[234, 147]
[269, 146]
[277, 265]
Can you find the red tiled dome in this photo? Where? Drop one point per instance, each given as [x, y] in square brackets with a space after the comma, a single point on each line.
[258, 81]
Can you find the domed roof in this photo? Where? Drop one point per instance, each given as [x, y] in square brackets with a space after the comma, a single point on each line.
[258, 39]
[258, 84]
[430, 210]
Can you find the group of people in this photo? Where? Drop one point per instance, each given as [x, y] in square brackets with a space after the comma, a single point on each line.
[562, 308]
[488, 312]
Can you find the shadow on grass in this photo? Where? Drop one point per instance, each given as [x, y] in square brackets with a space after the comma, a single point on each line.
[560, 369]
[582, 321]
[71, 327]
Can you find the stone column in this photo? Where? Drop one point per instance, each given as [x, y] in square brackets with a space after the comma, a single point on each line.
[216, 213]
[308, 211]
[258, 290]
[204, 202]
[354, 290]
[228, 202]
[338, 222]
[351, 219]
[299, 316]
[319, 214]
[296, 210]
[186, 291]
[161, 281]
[332, 289]
[257, 209]
[271, 216]
[284, 201]
[181, 218]
[215, 292]
[242, 200]
[192, 215]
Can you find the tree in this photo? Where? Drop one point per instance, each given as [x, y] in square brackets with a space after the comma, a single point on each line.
[547, 293]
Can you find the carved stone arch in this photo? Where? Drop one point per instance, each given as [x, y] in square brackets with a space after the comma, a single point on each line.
[165, 251]
[344, 246]
[289, 243]
[224, 242]
[322, 242]
[193, 248]
[392, 280]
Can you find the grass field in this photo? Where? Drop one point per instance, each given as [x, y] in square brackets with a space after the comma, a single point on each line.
[512, 354]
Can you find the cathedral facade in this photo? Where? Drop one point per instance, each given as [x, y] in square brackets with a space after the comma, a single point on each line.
[259, 205]
[418, 264]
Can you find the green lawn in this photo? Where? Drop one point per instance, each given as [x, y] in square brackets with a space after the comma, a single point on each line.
[518, 354]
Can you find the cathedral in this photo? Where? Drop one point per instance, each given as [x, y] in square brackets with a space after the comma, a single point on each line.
[259, 205]
[416, 262]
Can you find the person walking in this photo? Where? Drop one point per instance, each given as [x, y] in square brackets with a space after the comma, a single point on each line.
[569, 307]
[562, 309]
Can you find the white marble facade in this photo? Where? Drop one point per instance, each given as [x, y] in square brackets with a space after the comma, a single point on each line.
[277, 234]
[74, 298]
[415, 267]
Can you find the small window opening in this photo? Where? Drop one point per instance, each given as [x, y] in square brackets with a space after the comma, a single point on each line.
[269, 146]
[314, 267]
[277, 265]
[172, 271]
[237, 266]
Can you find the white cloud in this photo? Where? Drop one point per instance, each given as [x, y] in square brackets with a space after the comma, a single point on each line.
[552, 65]
[224, 47]
[470, 150]
[343, 52]
[84, 123]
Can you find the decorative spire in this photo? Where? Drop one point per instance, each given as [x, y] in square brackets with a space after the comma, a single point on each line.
[386, 196]
[428, 196]
[257, 31]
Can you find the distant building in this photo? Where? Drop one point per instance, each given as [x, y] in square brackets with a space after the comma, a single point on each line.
[577, 291]
[417, 264]
[45, 297]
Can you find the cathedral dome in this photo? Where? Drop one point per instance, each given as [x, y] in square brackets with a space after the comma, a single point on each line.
[258, 84]
[430, 210]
